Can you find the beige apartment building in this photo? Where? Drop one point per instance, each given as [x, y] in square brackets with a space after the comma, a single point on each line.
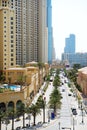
[27, 90]
[29, 79]
[7, 36]
[23, 76]
[23, 32]
[82, 80]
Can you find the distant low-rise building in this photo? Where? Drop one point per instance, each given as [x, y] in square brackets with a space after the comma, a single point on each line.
[77, 58]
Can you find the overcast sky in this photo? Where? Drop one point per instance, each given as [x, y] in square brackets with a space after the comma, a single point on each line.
[69, 17]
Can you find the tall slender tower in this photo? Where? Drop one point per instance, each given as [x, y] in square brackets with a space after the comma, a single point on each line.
[7, 35]
[49, 25]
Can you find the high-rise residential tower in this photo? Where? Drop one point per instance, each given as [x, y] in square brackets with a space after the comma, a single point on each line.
[31, 31]
[7, 35]
[23, 32]
[49, 25]
[42, 31]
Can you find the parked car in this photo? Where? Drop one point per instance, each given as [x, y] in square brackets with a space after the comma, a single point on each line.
[74, 112]
[39, 124]
[18, 128]
[63, 90]
[69, 94]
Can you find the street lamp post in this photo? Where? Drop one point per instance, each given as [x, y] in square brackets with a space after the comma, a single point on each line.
[6, 126]
[59, 125]
[6, 122]
[48, 116]
[82, 112]
[29, 117]
[73, 124]
[44, 105]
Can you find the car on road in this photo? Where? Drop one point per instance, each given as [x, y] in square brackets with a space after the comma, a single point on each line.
[69, 94]
[18, 128]
[63, 90]
[74, 111]
[39, 124]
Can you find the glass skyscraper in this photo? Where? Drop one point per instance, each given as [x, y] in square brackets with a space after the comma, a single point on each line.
[70, 44]
[49, 25]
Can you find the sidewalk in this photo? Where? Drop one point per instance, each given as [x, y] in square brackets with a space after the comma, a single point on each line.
[38, 94]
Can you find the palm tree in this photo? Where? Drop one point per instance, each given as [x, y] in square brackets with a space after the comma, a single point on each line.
[28, 113]
[34, 110]
[54, 101]
[1, 116]
[11, 113]
[72, 75]
[56, 81]
[2, 78]
[42, 103]
[21, 111]
[9, 80]
[40, 65]
[21, 80]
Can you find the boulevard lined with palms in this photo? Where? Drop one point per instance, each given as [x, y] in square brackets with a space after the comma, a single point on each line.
[41, 106]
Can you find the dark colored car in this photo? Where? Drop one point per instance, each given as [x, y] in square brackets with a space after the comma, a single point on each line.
[63, 90]
[69, 94]
[74, 111]
[18, 128]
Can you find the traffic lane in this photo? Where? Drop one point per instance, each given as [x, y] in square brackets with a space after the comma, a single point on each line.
[65, 112]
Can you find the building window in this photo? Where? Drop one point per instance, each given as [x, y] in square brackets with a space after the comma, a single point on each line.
[11, 18]
[11, 23]
[11, 27]
[11, 32]
[11, 55]
[11, 36]
[11, 50]
[11, 45]
[11, 59]
[4, 12]
[12, 64]
[11, 41]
